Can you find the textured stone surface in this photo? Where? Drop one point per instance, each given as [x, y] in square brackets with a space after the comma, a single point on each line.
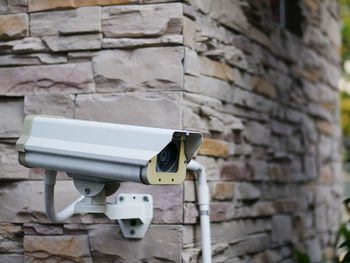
[80, 20]
[68, 78]
[223, 191]
[30, 207]
[161, 243]
[51, 104]
[142, 21]
[13, 26]
[145, 109]
[39, 5]
[145, 68]
[213, 147]
[167, 40]
[11, 117]
[11, 7]
[67, 43]
[57, 248]
[10, 168]
[281, 229]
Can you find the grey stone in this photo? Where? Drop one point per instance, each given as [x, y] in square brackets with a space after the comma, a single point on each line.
[145, 109]
[141, 21]
[11, 117]
[11, 258]
[50, 104]
[281, 229]
[10, 169]
[247, 191]
[257, 133]
[68, 43]
[29, 44]
[161, 243]
[57, 248]
[166, 40]
[30, 207]
[251, 244]
[139, 69]
[66, 78]
[80, 20]
[16, 60]
[313, 250]
[12, 7]
[189, 191]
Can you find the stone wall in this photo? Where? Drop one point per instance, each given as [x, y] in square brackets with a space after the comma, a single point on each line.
[265, 99]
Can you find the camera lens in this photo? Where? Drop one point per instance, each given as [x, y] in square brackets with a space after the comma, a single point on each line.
[167, 158]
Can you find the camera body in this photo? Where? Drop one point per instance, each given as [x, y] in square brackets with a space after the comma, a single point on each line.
[106, 152]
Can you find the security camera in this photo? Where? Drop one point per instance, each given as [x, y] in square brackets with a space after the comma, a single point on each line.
[105, 152]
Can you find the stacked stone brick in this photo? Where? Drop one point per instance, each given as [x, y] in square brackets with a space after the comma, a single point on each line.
[265, 99]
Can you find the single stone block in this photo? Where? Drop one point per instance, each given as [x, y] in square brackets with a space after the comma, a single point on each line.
[11, 117]
[281, 229]
[212, 147]
[166, 40]
[69, 43]
[10, 169]
[263, 87]
[223, 191]
[144, 68]
[142, 20]
[160, 242]
[81, 20]
[18, 60]
[145, 109]
[247, 191]
[42, 229]
[50, 104]
[66, 78]
[13, 26]
[29, 44]
[11, 258]
[13, 7]
[40, 5]
[61, 248]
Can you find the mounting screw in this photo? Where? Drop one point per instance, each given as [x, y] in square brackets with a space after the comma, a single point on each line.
[87, 191]
[132, 232]
[145, 198]
[121, 198]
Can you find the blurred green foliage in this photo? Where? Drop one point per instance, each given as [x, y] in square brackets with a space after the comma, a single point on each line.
[345, 16]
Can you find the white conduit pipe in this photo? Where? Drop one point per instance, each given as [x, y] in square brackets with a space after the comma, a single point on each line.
[203, 202]
[50, 181]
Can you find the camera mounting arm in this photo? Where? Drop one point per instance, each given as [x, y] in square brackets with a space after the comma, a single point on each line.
[134, 212]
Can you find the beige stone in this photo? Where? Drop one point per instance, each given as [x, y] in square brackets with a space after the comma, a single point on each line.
[7, 228]
[142, 21]
[223, 191]
[139, 69]
[11, 117]
[146, 109]
[325, 127]
[61, 248]
[13, 26]
[66, 78]
[213, 147]
[263, 87]
[216, 69]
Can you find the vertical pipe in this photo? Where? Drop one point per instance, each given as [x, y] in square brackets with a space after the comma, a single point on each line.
[203, 202]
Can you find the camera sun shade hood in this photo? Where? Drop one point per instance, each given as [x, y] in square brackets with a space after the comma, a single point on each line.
[97, 141]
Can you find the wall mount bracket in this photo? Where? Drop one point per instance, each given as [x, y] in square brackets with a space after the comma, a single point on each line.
[134, 212]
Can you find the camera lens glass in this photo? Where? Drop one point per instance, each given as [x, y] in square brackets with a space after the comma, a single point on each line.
[167, 158]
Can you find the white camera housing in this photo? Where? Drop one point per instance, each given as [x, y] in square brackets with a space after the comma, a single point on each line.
[106, 152]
